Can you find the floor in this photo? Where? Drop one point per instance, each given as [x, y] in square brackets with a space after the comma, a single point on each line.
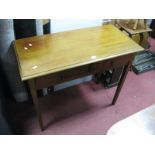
[139, 124]
[85, 109]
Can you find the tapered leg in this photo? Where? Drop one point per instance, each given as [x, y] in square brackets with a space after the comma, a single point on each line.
[121, 82]
[35, 101]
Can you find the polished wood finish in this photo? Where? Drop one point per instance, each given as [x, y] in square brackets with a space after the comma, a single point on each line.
[122, 79]
[51, 59]
[33, 92]
[120, 84]
[61, 51]
[77, 72]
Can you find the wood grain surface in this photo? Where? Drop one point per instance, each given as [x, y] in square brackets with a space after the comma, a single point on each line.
[41, 55]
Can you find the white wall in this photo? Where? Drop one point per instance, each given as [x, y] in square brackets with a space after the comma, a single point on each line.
[64, 25]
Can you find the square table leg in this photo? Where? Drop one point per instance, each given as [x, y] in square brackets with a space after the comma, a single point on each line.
[35, 99]
[121, 82]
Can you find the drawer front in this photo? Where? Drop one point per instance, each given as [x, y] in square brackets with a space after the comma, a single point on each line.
[48, 80]
[75, 73]
[71, 74]
[110, 64]
[99, 67]
[55, 78]
[119, 61]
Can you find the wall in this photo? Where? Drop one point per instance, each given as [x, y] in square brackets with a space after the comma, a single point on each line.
[64, 25]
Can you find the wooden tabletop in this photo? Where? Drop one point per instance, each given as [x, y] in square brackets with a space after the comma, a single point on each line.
[42, 55]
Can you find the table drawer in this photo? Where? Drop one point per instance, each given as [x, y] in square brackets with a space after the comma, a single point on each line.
[119, 61]
[110, 64]
[55, 78]
[48, 80]
[75, 73]
[71, 74]
[99, 67]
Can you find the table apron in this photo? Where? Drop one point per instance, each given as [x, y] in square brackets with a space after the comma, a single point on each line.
[77, 72]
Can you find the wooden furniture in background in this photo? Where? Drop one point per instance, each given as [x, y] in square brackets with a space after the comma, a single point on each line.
[133, 27]
[55, 58]
[134, 24]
